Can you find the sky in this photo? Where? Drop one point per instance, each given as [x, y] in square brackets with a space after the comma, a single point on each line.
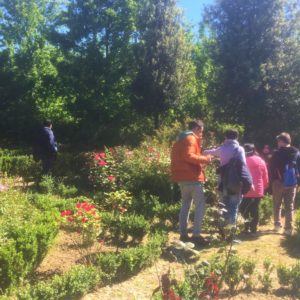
[193, 9]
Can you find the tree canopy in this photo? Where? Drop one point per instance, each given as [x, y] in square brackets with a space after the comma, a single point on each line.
[110, 71]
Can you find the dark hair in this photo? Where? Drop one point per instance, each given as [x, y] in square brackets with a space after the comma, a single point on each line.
[194, 124]
[231, 134]
[249, 149]
[284, 137]
[47, 123]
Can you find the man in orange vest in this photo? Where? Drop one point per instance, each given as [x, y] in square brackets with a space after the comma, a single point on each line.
[187, 168]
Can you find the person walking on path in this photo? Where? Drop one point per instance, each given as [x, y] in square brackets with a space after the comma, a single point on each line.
[284, 172]
[187, 169]
[45, 147]
[249, 207]
[232, 168]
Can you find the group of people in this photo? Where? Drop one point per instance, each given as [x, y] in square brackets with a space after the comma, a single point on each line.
[244, 178]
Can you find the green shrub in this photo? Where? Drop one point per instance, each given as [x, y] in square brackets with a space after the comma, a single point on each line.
[47, 185]
[289, 276]
[77, 281]
[49, 202]
[122, 226]
[142, 169]
[26, 234]
[145, 205]
[265, 210]
[21, 165]
[116, 266]
[168, 212]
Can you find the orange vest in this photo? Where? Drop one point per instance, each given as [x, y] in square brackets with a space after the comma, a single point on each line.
[187, 161]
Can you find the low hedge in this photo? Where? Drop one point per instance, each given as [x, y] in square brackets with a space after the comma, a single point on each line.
[108, 267]
[71, 167]
[20, 165]
[116, 266]
[26, 234]
[74, 283]
[121, 226]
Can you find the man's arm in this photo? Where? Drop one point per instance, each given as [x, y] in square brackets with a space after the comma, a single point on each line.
[190, 154]
[214, 152]
[51, 141]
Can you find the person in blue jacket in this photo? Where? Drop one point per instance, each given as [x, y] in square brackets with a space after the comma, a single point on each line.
[45, 148]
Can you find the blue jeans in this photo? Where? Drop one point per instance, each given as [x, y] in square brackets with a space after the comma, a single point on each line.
[231, 203]
[191, 191]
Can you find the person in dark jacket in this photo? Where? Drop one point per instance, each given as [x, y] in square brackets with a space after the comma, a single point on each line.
[46, 147]
[285, 157]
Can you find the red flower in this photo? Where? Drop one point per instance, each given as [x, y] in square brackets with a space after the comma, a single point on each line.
[111, 178]
[66, 213]
[83, 220]
[102, 163]
[102, 154]
[122, 209]
[70, 219]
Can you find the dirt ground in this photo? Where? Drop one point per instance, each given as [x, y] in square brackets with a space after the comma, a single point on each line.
[66, 253]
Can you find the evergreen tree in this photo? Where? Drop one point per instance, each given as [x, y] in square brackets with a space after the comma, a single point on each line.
[256, 54]
[166, 75]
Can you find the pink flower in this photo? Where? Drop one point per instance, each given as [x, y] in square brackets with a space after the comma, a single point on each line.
[102, 154]
[102, 163]
[111, 178]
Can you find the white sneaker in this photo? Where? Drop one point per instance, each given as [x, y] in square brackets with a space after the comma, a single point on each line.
[277, 228]
[288, 232]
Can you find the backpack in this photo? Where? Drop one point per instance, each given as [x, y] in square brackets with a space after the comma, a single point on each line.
[235, 177]
[291, 174]
[231, 177]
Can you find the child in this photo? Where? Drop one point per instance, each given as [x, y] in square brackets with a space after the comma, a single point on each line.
[249, 207]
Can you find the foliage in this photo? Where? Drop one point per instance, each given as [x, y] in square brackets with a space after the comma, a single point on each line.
[118, 201]
[77, 281]
[116, 266]
[119, 227]
[266, 278]
[165, 73]
[85, 219]
[26, 234]
[145, 168]
[289, 276]
[19, 165]
[265, 209]
[254, 72]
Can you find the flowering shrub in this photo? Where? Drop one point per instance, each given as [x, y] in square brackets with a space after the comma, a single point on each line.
[118, 201]
[143, 169]
[85, 219]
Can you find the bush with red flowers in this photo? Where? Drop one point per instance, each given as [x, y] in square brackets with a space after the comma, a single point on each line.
[145, 168]
[85, 219]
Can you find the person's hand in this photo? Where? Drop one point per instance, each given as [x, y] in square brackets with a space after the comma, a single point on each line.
[210, 158]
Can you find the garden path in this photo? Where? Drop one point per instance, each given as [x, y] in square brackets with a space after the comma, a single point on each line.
[141, 286]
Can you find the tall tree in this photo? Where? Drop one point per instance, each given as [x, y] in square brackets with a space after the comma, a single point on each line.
[166, 74]
[255, 51]
[28, 76]
[95, 37]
